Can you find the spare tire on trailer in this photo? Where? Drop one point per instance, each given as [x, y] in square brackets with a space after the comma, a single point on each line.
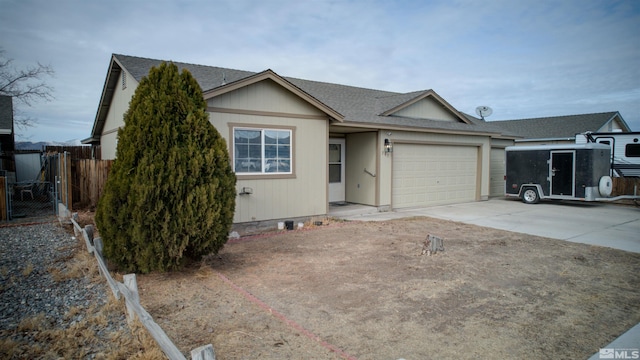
[605, 187]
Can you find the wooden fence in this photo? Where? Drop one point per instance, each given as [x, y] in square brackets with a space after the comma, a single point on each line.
[626, 186]
[76, 152]
[129, 290]
[89, 179]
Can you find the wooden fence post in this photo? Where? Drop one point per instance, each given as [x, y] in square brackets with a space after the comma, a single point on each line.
[132, 284]
[203, 353]
[87, 234]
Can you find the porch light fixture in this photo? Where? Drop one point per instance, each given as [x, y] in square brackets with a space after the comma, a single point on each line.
[388, 146]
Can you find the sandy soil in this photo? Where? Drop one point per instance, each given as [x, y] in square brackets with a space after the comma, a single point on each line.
[366, 291]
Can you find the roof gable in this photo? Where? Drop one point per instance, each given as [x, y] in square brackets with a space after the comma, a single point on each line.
[271, 75]
[422, 105]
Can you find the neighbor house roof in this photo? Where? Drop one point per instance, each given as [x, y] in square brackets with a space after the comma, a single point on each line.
[6, 115]
[561, 127]
[343, 103]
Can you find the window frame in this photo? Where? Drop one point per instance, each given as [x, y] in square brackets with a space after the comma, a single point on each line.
[263, 174]
[632, 150]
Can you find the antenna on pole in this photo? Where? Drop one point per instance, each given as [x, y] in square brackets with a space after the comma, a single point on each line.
[483, 111]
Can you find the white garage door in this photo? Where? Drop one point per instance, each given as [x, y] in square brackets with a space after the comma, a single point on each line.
[426, 175]
[497, 172]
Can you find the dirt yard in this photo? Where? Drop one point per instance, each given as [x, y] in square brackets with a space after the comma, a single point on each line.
[365, 291]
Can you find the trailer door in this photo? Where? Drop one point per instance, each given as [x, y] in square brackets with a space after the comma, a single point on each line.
[562, 170]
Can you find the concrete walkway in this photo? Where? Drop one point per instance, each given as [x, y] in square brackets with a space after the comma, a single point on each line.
[602, 224]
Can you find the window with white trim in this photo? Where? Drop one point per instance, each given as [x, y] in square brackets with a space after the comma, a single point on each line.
[262, 151]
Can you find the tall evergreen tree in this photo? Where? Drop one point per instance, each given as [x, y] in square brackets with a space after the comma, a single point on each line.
[170, 194]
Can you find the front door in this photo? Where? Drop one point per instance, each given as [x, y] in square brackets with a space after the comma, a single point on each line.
[562, 173]
[336, 170]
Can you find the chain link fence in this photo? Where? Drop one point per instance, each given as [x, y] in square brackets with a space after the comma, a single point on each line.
[33, 191]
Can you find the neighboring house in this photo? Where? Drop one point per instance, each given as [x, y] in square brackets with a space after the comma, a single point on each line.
[562, 129]
[298, 145]
[7, 138]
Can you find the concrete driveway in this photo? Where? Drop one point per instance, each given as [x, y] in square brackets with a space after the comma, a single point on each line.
[602, 224]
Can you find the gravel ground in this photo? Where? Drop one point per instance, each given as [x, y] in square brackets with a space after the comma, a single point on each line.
[34, 281]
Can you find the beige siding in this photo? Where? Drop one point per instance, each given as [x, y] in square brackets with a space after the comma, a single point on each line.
[427, 108]
[305, 193]
[108, 145]
[115, 117]
[497, 172]
[361, 155]
[615, 125]
[265, 96]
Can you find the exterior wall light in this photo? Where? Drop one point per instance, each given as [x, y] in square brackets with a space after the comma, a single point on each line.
[388, 146]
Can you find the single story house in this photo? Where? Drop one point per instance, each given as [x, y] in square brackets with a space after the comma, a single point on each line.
[298, 146]
[562, 129]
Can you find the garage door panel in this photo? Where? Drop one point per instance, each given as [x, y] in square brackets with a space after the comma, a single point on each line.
[426, 175]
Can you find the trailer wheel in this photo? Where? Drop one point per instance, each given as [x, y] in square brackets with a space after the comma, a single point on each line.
[530, 196]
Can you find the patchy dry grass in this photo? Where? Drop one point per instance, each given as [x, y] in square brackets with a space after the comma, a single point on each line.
[36, 337]
[99, 331]
[28, 269]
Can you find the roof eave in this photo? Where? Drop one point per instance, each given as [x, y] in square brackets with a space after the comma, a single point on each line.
[568, 138]
[90, 141]
[108, 90]
[378, 126]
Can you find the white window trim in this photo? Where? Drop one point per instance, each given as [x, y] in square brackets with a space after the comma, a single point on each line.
[262, 131]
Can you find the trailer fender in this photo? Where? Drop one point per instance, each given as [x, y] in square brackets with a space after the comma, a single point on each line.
[605, 186]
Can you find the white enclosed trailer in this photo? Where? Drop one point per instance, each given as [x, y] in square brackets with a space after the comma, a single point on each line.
[625, 150]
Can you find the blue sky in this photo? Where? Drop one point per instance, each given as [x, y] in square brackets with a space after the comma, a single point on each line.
[522, 58]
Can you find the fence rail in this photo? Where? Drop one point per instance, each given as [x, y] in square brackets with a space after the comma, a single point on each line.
[76, 152]
[129, 290]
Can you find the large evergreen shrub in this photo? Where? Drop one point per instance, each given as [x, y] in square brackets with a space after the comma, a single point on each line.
[170, 194]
